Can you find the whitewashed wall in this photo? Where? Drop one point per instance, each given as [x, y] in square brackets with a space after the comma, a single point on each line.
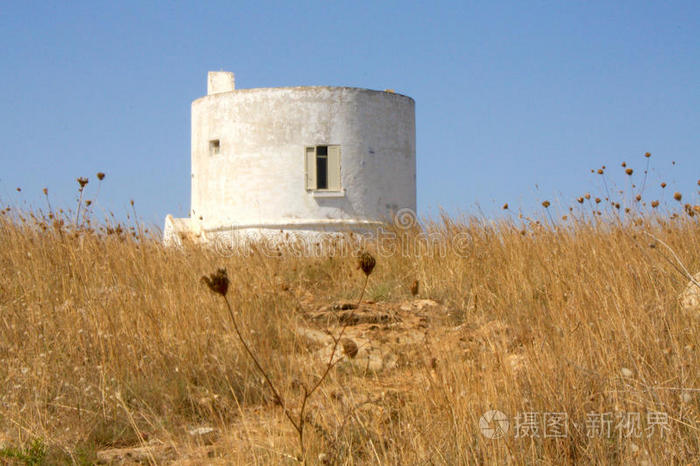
[257, 181]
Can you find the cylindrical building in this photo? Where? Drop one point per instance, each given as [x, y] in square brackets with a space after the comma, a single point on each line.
[302, 159]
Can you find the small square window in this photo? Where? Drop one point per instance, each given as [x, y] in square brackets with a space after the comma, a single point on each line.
[214, 147]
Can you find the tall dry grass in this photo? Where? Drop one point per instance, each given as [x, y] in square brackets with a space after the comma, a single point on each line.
[109, 339]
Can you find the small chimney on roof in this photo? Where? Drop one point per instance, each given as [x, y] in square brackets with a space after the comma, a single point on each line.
[220, 81]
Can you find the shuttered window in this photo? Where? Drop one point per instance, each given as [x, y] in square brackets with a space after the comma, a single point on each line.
[322, 165]
[333, 168]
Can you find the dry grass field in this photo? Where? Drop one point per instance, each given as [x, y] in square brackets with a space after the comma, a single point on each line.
[114, 350]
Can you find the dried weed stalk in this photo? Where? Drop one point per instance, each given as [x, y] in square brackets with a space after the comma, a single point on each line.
[218, 283]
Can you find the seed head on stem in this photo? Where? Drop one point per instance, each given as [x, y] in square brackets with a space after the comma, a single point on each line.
[366, 262]
[217, 282]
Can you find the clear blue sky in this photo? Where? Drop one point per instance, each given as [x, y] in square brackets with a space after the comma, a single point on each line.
[515, 101]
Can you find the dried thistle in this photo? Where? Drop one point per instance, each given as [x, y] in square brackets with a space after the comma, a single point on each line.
[587, 196]
[100, 176]
[366, 262]
[505, 206]
[217, 282]
[580, 200]
[624, 164]
[600, 171]
[629, 171]
[349, 347]
[82, 182]
[677, 196]
[45, 191]
[638, 197]
[414, 287]
[663, 184]
[647, 154]
[546, 204]
[655, 204]
[19, 190]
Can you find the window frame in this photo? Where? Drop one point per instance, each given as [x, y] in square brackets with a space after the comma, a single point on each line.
[333, 164]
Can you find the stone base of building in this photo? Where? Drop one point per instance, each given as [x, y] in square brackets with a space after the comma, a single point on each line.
[303, 237]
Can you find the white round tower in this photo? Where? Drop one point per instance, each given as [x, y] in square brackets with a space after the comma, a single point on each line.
[297, 159]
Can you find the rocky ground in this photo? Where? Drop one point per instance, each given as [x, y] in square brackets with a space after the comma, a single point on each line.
[389, 347]
[383, 345]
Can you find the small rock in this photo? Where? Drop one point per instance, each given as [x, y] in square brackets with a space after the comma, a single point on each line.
[390, 361]
[375, 359]
[686, 397]
[136, 455]
[205, 435]
[516, 361]
[344, 306]
[626, 372]
[314, 335]
[690, 297]
[418, 305]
